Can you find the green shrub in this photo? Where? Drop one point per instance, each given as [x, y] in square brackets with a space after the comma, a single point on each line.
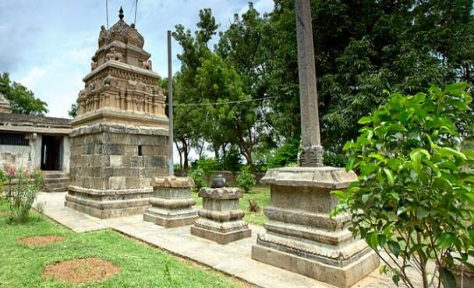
[285, 155]
[413, 198]
[334, 160]
[21, 194]
[199, 179]
[246, 180]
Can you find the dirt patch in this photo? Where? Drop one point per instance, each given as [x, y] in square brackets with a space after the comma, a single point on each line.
[5, 213]
[41, 240]
[81, 271]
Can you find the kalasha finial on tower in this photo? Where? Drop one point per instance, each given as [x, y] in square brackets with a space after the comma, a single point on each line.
[121, 13]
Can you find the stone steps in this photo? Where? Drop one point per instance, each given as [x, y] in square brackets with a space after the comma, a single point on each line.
[56, 181]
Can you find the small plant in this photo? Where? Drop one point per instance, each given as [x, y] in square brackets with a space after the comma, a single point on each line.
[198, 176]
[170, 282]
[245, 180]
[414, 199]
[21, 194]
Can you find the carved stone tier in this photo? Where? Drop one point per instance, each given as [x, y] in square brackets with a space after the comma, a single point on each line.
[171, 202]
[108, 203]
[221, 217]
[122, 87]
[301, 237]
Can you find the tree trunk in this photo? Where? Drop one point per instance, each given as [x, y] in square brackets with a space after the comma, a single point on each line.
[186, 155]
[180, 155]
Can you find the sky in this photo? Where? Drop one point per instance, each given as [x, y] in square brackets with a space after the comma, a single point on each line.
[47, 45]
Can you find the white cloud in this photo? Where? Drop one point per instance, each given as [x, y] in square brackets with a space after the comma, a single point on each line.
[32, 78]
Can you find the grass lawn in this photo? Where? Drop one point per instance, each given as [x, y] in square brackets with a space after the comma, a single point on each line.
[261, 194]
[142, 266]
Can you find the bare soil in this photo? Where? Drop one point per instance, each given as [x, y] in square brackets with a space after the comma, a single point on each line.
[5, 213]
[81, 271]
[41, 240]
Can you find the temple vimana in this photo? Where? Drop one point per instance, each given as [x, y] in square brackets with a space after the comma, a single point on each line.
[119, 140]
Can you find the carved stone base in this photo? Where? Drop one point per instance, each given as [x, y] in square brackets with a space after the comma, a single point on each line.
[221, 238]
[221, 217]
[171, 202]
[312, 156]
[108, 203]
[301, 237]
[338, 276]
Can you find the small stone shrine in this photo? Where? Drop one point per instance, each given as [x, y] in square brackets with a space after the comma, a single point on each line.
[171, 202]
[221, 217]
[120, 136]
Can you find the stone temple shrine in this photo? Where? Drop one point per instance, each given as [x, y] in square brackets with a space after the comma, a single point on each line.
[120, 136]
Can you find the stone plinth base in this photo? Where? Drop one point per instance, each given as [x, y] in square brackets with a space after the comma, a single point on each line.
[108, 203]
[221, 238]
[302, 238]
[171, 202]
[337, 276]
[221, 216]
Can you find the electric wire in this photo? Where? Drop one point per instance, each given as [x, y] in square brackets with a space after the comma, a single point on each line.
[221, 103]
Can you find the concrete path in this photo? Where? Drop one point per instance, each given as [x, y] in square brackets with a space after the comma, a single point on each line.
[232, 259]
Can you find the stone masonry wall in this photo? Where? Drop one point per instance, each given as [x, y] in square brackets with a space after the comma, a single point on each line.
[111, 160]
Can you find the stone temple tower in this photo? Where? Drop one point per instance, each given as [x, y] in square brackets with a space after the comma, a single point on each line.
[120, 136]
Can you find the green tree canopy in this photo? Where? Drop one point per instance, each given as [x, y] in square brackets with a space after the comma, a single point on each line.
[22, 100]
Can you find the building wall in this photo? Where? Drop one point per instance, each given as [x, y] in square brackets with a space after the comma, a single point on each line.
[29, 157]
[18, 156]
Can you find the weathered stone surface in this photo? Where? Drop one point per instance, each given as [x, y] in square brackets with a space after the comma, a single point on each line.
[171, 202]
[221, 217]
[301, 237]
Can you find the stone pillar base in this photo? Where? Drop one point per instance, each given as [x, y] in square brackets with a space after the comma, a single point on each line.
[219, 237]
[337, 276]
[159, 217]
[171, 202]
[301, 236]
[221, 216]
[105, 204]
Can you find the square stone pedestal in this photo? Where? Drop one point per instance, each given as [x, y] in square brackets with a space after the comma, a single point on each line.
[171, 202]
[301, 237]
[221, 216]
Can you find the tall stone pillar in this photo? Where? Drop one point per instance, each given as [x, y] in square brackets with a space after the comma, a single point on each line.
[116, 144]
[300, 236]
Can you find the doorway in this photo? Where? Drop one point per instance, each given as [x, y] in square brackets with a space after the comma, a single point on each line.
[51, 153]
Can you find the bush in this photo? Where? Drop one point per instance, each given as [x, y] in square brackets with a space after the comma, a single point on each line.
[245, 180]
[284, 156]
[413, 198]
[198, 176]
[22, 194]
[334, 160]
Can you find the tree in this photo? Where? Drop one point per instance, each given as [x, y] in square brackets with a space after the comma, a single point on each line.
[413, 198]
[363, 48]
[22, 100]
[73, 111]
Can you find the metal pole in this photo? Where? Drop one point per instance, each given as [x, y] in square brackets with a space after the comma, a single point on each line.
[136, 7]
[107, 12]
[170, 106]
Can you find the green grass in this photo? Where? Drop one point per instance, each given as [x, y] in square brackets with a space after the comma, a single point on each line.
[257, 193]
[142, 266]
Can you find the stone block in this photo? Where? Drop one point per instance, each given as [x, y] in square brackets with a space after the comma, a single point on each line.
[171, 202]
[117, 183]
[116, 160]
